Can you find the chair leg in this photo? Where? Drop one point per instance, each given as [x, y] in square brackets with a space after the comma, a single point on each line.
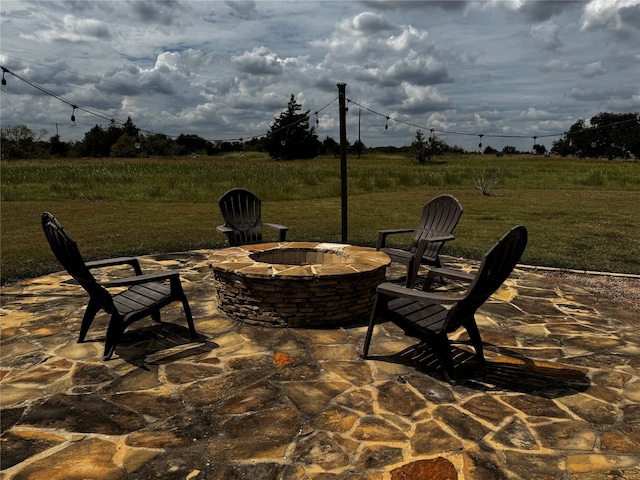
[155, 316]
[442, 348]
[187, 313]
[411, 274]
[474, 334]
[372, 323]
[87, 319]
[114, 332]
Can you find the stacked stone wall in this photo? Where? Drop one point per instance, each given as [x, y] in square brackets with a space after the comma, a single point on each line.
[326, 301]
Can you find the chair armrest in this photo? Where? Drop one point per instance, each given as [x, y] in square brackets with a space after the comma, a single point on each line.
[395, 290]
[454, 274]
[439, 237]
[282, 230]
[422, 243]
[382, 235]
[224, 229]
[110, 262]
[151, 277]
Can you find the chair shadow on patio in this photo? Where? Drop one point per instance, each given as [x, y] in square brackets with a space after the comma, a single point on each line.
[509, 371]
[161, 344]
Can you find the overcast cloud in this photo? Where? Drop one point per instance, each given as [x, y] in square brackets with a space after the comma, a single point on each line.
[224, 69]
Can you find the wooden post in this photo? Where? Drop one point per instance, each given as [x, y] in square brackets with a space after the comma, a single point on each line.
[343, 156]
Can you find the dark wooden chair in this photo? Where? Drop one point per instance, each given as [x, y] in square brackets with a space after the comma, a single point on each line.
[242, 214]
[144, 296]
[421, 314]
[439, 217]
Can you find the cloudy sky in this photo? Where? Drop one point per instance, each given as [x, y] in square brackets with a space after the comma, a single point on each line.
[224, 69]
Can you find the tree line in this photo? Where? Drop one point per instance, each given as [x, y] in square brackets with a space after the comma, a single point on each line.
[291, 136]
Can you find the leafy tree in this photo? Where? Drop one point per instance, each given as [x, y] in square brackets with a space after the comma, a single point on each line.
[539, 149]
[125, 147]
[156, 145]
[194, 144]
[489, 150]
[611, 135]
[290, 135]
[18, 141]
[94, 144]
[509, 150]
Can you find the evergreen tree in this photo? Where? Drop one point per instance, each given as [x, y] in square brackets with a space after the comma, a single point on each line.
[290, 136]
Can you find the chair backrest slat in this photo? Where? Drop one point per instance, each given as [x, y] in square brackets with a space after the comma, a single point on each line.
[242, 212]
[497, 264]
[439, 215]
[66, 251]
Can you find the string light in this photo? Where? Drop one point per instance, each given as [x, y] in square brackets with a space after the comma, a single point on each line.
[305, 117]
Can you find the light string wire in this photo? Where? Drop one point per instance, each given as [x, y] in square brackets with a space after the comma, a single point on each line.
[489, 135]
[112, 120]
[306, 116]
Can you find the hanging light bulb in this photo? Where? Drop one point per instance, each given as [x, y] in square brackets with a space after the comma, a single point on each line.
[73, 116]
[480, 144]
[386, 125]
[4, 81]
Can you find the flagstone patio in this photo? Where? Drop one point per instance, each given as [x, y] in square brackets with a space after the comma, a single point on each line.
[560, 398]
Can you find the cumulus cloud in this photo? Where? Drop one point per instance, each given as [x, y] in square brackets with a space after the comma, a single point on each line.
[546, 34]
[389, 55]
[618, 15]
[259, 61]
[593, 69]
[530, 10]
[419, 99]
[224, 69]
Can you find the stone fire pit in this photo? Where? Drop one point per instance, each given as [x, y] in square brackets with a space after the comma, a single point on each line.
[298, 284]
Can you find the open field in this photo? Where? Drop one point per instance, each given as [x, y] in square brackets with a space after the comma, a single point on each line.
[580, 214]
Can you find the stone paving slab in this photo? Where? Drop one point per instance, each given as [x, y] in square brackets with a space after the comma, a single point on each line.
[560, 398]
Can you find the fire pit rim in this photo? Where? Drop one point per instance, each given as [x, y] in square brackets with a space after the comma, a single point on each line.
[355, 260]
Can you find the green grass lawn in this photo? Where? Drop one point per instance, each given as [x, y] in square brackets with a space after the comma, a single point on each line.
[581, 214]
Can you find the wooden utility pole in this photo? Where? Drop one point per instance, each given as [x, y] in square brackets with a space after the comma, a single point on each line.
[343, 156]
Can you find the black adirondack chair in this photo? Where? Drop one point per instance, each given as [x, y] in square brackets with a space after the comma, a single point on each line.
[421, 314]
[144, 297]
[439, 217]
[242, 214]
